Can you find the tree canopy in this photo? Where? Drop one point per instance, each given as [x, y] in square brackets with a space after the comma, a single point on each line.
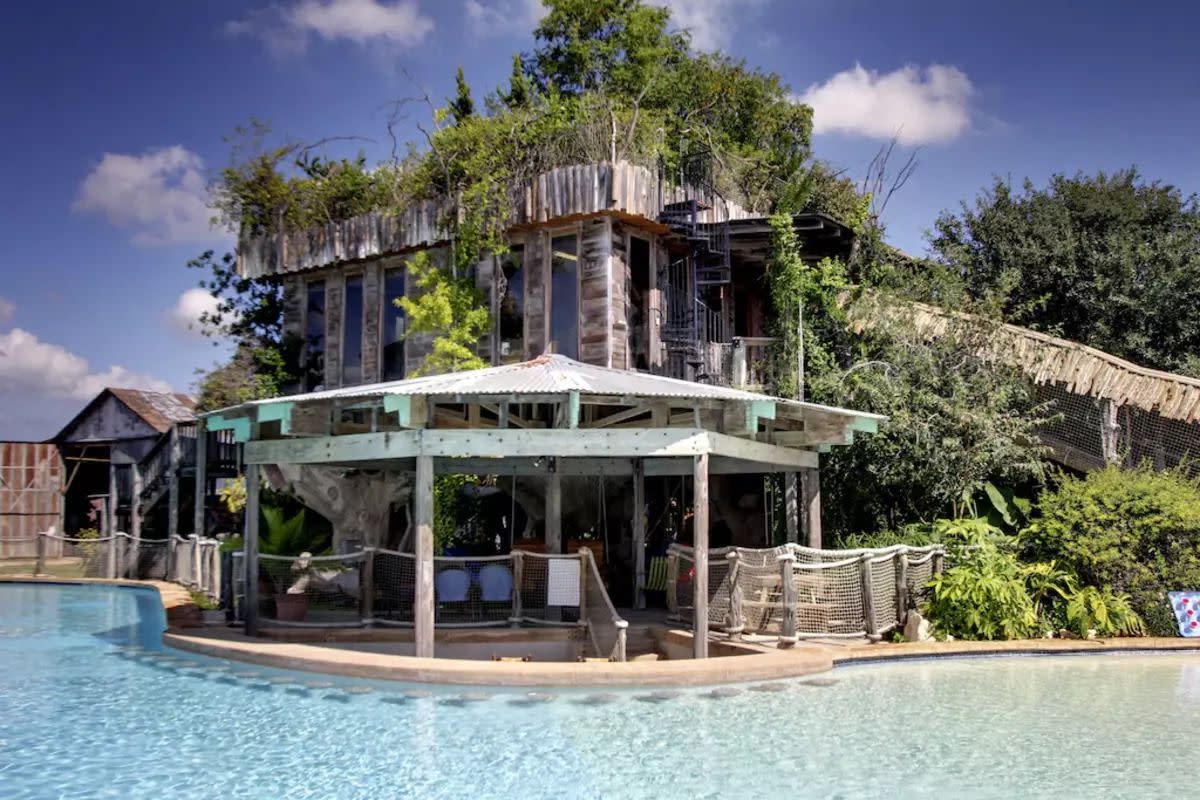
[1112, 261]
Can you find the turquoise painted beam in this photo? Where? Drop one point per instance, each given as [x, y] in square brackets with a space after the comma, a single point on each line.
[239, 425]
[278, 412]
[401, 406]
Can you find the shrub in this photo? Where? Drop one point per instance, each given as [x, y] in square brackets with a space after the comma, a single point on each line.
[1136, 532]
[1107, 612]
[982, 597]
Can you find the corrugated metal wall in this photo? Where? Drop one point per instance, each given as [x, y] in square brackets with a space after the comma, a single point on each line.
[31, 481]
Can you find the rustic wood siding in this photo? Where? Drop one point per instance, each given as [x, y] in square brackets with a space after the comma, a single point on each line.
[537, 265]
[566, 192]
[372, 305]
[619, 293]
[595, 269]
[31, 482]
[335, 283]
[658, 279]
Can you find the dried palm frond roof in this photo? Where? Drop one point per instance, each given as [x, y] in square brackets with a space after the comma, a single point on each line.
[1048, 359]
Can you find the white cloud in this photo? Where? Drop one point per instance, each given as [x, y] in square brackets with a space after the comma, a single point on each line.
[7, 309]
[287, 30]
[918, 106]
[160, 194]
[29, 365]
[710, 22]
[503, 17]
[185, 314]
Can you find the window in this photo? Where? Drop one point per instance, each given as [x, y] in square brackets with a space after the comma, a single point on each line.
[564, 295]
[392, 333]
[512, 307]
[314, 336]
[352, 330]
[639, 298]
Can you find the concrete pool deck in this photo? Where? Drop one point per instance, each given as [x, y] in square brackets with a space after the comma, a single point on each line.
[741, 662]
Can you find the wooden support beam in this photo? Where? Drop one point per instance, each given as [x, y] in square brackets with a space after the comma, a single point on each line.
[201, 477]
[135, 497]
[700, 552]
[810, 490]
[250, 549]
[423, 599]
[176, 455]
[761, 452]
[554, 539]
[639, 532]
[791, 505]
[240, 426]
[112, 499]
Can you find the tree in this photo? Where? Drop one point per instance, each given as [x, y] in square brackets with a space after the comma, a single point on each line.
[450, 310]
[956, 424]
[1107, 260]
[462, 107]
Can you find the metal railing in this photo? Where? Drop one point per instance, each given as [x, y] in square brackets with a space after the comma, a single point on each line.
[377, 587]
[797, 592]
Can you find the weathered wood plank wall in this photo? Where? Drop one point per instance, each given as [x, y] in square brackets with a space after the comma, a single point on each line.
[335, 284]
[372, 306]
[537, 265]
[31, 482]
[595, 263]
[566, 192]
[619, 292]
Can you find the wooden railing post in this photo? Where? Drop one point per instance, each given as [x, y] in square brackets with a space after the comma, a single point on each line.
[672, 585]
[622, 640]
[787, 594]
[110, 555]
[584, 554]
[735, 619]
[518, 568]
[39, 566]
[196, 566]
[902, 586]
[366, 577]
[939, 561]
[870, 626]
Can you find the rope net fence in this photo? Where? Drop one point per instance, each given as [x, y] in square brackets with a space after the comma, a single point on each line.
[800, 592]
[378, 587]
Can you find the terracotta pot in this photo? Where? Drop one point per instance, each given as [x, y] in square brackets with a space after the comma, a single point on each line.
[291, 607]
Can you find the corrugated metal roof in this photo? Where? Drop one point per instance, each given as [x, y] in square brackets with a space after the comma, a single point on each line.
[158, 409]
[556, 374]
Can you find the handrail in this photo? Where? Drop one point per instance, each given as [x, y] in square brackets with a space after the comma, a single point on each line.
[594, 590]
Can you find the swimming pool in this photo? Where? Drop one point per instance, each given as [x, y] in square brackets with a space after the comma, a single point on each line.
[92, 706]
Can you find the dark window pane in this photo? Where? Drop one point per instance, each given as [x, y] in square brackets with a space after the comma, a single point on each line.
[564, 296]
[512, 307]
[639, 297]
[352, 328]
[314, 337]
[393, 325]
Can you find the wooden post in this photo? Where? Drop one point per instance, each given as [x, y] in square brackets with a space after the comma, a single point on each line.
[787, 594]
[250, 545]
[868, 597]
[112, 499]
[902, 586]
[740, 368]
[201, 476]
[40, 565]
[366, 577]
[584, 577]
[791, 505]
[735, 620]
[173, 483]
[135, 497]
[811, 490]
[423, 601]
[554, 510]
[672, 585]
[639, 532]
[700, 544]
[939, 562]
[1110, 432]
[518, 566]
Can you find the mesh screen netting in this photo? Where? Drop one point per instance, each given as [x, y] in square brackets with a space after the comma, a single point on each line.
[1077, 435]
[746, 592]
[311, 590]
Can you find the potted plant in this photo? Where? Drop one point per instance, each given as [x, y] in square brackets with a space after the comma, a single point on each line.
[210, 610]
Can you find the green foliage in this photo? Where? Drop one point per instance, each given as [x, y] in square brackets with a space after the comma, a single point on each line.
[956, 424]
[462, 106]
[1108, 260]
[449, 309]
[1107, 612]
[202, 601]
[1134, 531]
[983, 596]
[290, 536]
[233, 495]
[447, 506]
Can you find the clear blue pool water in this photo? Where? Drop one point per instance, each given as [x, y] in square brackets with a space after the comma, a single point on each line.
[92, 706]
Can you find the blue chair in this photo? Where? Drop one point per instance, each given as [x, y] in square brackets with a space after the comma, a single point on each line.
[452, 586]
[495, 584]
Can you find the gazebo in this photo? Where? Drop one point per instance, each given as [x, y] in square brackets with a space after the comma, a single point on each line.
[547, 417]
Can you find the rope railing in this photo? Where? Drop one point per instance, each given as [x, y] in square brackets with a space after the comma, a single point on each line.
[797, 592]
[377, 587]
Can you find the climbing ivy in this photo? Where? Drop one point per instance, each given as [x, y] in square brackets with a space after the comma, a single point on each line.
[449, 309]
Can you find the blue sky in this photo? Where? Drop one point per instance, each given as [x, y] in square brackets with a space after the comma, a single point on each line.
[115, 116]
